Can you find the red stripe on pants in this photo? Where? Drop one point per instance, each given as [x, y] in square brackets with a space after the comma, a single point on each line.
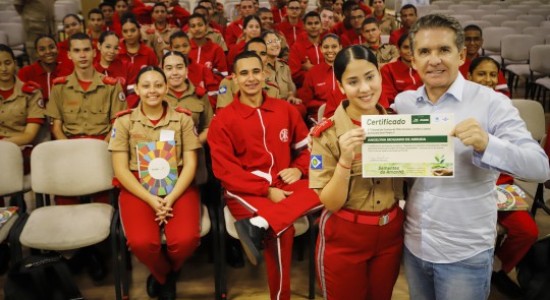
[143, 233]
[522, 233]
[358, 261]
[280, 216]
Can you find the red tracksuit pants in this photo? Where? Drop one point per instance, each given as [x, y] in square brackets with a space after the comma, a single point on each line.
[522, 233]
[143, 233]
[358, 261]
[280, 216]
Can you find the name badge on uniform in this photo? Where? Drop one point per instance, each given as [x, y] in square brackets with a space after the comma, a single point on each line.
[167, 135]
[316, 162]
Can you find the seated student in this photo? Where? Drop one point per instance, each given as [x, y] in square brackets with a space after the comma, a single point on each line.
[109, 64]
[198, 74]
[355, 36]
[385, 53]
[213, 30]
[135, 53]
[473, 41]
[46, 68]
[320, 86]
[292, 26]
[177, 15]
[182, 93]
[71, 24]
[22, 105]
[229, 87]
[143, 213]
[259, 153]
[203, 50]
[251, 30]
[235, 28]
[386, 22]
[107, 9]
[521, 229]
[160, 27]
[95, 25]
[408, 16]
[399, 75]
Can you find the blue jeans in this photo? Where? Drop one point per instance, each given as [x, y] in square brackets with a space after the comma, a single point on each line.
[468, 279]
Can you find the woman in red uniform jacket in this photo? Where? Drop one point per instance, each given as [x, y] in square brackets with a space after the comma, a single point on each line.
[320, 85]
[145, 212]
[71, 25]
[109, 63]
[251, 29]
[46, 68]
[399, 75]
[134, 53]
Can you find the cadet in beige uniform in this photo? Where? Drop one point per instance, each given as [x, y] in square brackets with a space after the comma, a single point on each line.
[361, 229]
[229, 88]
[84, 103]
[142, 212]
[160, 26]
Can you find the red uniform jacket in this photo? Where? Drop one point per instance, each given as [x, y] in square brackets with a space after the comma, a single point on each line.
[233, 52]
[396, 35]
[319, 86]
[502, 85]
[117, 69]
[211, 56]
[398, 77]
[292, 32]
[233, 32]
[202, 77]
[279, 14]
[250, 146]
[179, 16]
[63, 55]
[37, 74]
[302, 50]
[144, 57]
[142, 12]
[351, 38]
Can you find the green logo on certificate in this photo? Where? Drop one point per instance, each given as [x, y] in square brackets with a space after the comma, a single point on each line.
[420, 119]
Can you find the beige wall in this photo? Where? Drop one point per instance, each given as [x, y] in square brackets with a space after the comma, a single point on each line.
[87, 5]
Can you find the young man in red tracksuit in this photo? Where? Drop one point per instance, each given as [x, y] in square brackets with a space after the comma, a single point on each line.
[306, 52]
[252, 143]
[408, 17]
[292, 27]
[235, 28]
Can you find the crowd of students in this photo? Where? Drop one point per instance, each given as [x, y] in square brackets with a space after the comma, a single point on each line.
[251, 91]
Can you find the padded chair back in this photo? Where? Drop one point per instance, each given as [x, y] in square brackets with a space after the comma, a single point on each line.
[492, 37]
[488, 7]
[516, 47]
[71, 167]
[11, 168]
[517, 25]
[443, 4]
[533, 20]
[3, 38]
[476, 13]
[532, 114]
[16, 33]
[459, 8]
[496, 20]
[540, 32]
[510, 13]
[520, 8]
[539, 61]
[480, 23]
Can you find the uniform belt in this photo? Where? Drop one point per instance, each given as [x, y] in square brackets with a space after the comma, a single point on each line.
[84, 136]
[381, 219]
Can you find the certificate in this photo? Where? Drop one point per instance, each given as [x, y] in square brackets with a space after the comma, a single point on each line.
[408, 146]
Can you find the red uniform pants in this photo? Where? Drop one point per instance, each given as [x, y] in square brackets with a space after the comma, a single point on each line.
[280, 216]
[522, 233]
[358, 261]
[143, 232]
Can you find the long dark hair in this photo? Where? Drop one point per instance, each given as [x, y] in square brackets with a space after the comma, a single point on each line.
[350, 53]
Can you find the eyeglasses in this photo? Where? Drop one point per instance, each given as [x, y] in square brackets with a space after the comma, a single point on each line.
[275, 41]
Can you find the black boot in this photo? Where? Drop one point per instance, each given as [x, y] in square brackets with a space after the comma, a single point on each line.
[251, 238]
[505, 285]
[153, 286]
[168, 289]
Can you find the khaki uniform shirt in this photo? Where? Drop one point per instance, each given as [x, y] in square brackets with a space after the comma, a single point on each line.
[387, 24]
[85, 112]
[229, 88]
[19, 107]
[281, 75]
[151, 37]
[386, 53]
[365, 194]
[134, 127]
[199, 106]
[216, 37]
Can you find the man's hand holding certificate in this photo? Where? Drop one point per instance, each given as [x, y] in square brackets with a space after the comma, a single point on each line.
[410, 145]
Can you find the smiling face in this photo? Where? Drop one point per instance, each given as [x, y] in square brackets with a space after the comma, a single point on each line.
[175, 70]
[473, 42]
[71, 26]
[486, 73]
[329, 49]
[362, 84]
[46, 50]
[151, 88]
[266, 20]
[273, 43]
[327, 19]
[249, 76]
[436, 58]
[252, 29]
[109, 48]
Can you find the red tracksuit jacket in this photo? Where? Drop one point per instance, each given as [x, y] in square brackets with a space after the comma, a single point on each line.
[292, 32]
[233, 32]
[210, 55]
[319, 86]
[37, 74]
[118, 69]
[398, 77]
[202, 77]
[278, 14]
[502, 84]
[301, 50]
[233, 52]
[249, 146]
[144, 57]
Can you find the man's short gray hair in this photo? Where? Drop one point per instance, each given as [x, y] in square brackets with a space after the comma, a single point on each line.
[438, 21]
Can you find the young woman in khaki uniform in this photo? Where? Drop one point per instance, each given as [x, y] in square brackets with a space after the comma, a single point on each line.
[361, 229]
[182, 93]
[143, 214]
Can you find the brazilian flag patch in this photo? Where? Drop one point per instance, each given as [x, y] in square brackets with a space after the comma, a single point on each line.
[316, 162]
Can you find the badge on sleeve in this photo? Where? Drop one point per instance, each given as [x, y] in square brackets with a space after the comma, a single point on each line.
[113, 133]
[41, 103]
[121, 97]
[316, 162]
[222, 90]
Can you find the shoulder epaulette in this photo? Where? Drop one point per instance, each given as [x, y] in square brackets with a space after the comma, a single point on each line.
[282, 61]
[109, 80]
[60, 80]
[321, 127]
[123, 112]
[30, 86]
[271, 83]
[150, 30]
[200, 91]
[183, 110]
